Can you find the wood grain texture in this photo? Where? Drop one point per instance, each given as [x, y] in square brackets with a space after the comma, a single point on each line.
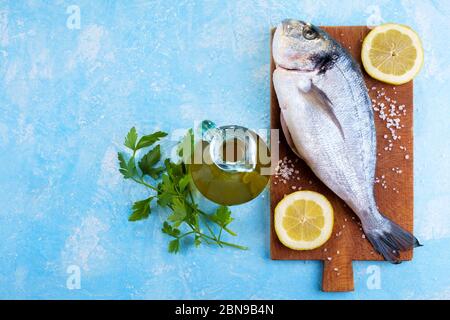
[395, 200]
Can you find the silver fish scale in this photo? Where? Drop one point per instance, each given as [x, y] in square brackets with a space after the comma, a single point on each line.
[324, 150]
[345, 161]
[344, 86]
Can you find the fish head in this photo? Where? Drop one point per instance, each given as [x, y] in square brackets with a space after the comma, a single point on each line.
[301, 46]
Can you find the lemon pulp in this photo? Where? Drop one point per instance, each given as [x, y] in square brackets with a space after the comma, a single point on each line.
[303, 220]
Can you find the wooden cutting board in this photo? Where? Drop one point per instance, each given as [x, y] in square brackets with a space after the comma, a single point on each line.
[394, 189]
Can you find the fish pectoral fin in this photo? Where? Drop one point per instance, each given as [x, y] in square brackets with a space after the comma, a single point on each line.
[320, 99]
[304, 84]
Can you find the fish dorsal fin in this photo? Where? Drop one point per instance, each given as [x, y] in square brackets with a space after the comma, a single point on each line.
[318, 98]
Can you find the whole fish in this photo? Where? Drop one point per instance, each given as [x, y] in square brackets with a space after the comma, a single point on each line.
[327, 118]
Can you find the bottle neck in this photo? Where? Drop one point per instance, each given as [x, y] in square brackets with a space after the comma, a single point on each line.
[231, 148]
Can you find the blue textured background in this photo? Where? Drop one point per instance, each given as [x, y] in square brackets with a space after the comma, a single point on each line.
[68, 97]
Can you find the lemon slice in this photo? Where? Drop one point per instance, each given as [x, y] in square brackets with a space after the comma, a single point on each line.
[392, 53]
[304, 220]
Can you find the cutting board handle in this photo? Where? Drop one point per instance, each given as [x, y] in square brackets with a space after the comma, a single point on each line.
[338, 274]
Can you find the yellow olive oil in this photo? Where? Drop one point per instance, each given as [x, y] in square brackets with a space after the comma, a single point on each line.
[230, 187]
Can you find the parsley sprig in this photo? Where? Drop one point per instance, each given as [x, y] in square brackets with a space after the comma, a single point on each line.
[171, 187]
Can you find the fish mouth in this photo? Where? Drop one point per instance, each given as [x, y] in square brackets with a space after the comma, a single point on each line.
[297, 69]
[322, 63]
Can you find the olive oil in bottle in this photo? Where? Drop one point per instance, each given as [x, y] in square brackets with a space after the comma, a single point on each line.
[228, 163]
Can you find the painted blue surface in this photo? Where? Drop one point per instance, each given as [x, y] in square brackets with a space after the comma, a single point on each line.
[68, 97]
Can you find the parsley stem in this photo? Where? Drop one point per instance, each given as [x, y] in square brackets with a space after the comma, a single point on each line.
[234, 245]
[198, 232]
[186, 234]
[199, 211]
[141, 181]
[220, 242]
[220, 233]
[208, 217]
[209, 228]
[191, 196]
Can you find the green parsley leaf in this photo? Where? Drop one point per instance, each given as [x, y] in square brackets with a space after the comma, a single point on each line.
[169, 230]
[122, 162]
[166, 191]
[173, 192]
[179, 212]
[222, 216]
[141, 210]
[155, 173]
[149, 160]
[174, 246]
[175, 170]
[184, 182]
[164, 199]
[127, 169]
[147, 141]
[131, 138]
[166, 185]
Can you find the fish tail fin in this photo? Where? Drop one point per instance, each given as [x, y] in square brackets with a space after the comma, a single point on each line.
[388, 239]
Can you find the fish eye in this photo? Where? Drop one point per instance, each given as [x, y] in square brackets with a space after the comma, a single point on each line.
[309, 33]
